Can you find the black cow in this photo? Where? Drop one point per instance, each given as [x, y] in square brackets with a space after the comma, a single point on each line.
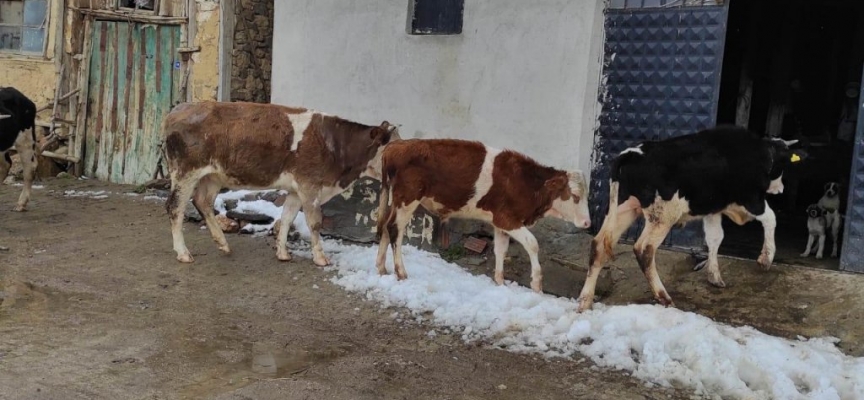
[721, 171]
[17, 115]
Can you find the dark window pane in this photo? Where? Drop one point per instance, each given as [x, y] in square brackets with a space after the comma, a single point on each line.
[10, 38]
[435, 17]
[617, 3]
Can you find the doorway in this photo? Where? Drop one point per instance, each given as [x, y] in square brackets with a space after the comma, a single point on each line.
[792, 69]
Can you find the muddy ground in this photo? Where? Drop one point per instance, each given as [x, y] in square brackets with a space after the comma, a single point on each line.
[93, 305]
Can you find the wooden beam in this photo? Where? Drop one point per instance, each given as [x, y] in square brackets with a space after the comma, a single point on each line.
[63, 157]
[79, 131]
[134, 17]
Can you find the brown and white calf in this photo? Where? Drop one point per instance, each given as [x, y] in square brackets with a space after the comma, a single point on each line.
[17, 116]
[211, 145]
[715, 172]
[466, 179]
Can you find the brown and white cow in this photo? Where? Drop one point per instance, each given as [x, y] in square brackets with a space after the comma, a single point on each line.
[466, 179]
[212, 145]
[714, 172]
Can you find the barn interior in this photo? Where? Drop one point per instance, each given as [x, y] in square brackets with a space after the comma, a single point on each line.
[792, 69]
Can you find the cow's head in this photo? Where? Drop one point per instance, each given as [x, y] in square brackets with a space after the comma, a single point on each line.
[782, 157]
[381, 135]
[569, 193]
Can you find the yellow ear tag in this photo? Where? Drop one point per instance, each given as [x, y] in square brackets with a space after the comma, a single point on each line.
[795, 158]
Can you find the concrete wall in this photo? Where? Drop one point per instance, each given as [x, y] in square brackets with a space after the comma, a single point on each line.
[204, 78]
[522, 75]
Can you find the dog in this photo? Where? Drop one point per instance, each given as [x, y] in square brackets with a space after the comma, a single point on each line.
[817, 224]
[824, 217]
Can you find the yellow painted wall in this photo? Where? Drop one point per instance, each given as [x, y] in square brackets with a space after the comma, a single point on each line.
[204, 77]
[34, 76]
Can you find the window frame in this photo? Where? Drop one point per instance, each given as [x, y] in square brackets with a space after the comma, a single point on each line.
[629, 4]
[136, 9]
[44, 26]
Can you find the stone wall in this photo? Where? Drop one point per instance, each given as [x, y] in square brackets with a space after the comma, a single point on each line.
[253, 44]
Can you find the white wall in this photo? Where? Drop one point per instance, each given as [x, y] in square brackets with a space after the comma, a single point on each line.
[522, 75]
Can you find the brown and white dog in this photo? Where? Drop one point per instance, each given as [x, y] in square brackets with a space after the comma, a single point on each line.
[824, 216]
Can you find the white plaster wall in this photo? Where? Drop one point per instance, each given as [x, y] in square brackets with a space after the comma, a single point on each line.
[522, 75]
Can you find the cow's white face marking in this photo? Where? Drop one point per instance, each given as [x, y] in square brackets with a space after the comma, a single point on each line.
[570, 210]
[300, 122]
[776, 186]
[637, 150]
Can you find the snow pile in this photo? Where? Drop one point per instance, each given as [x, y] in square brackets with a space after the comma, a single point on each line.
[668, 347]
[101, 194]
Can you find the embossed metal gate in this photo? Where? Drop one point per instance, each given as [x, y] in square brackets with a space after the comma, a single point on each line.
[662, 79]
[852, 258]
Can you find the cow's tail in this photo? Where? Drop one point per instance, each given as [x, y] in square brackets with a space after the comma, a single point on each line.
[386, 215]
[611, 219]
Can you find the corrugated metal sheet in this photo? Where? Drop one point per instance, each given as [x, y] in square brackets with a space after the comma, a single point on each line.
[852, 258]
[131, 88]
[662, 80]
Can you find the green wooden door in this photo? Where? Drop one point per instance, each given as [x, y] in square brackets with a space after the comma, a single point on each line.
[132, 85]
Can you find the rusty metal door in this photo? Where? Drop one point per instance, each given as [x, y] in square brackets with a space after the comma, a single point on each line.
[134, 70]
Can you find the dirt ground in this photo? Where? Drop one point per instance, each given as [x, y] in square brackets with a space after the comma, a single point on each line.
[93, 305]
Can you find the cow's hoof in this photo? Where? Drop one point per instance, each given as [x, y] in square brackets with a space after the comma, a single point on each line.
[401, 277]
[20, 208]
[717, 282]
[321, 261]
[764, 262]
[225, 249]
[805, 254]
[185, 258]
[537, 287]
[382, 271]
[585, 304]
[664, 299]
[283, 256]
[499, 279]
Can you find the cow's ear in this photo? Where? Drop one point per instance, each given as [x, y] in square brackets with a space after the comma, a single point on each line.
[379, 135]
[557, 182]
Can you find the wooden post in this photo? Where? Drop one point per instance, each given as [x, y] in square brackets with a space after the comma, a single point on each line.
[80, 128]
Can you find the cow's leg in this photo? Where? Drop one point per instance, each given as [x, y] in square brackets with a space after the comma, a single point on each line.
[769, 248]
[645, 251]
[713, 226]
[835, 231]
[314, 219]
[403, 217]
[384, 221]
[602, 245]
[203, 198]
[809, 248]
[502, 242]
[26, 147]
[529, 242]
[289, 213]
[181, 191]
[381, 258]
[5, 165]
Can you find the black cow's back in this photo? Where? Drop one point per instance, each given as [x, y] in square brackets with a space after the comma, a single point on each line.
[23, 112]
[711, 169]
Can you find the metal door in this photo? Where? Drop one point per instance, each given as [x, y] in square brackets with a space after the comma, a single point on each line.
[131, 88]
[852, 258]
[662, 79]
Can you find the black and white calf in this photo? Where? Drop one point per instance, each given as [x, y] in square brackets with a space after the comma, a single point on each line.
[17, 115]
[714, 172]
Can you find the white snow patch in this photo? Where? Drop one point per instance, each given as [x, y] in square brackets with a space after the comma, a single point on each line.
[36, 187]
[101, 194]
[662, 346]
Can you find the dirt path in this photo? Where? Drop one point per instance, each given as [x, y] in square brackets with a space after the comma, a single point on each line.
[93, 305]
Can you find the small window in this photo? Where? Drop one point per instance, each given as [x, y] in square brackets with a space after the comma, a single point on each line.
[630, 4]
[435, 17]
[143, 5]
[22, 26]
